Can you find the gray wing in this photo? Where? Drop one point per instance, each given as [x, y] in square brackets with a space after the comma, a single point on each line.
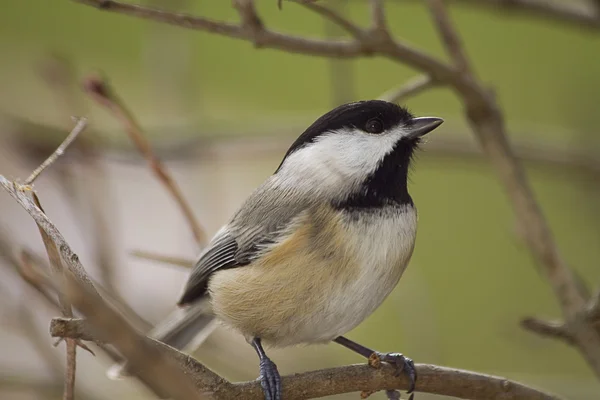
[261, 219]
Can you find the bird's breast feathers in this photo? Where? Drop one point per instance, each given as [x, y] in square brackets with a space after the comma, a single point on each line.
[324, 275]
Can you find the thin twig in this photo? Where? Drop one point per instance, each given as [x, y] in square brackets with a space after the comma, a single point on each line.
[411, 88]
[79, 127]
[178, 261]
[449, 36]
[551, 329]
[69, 388]
[334, 17]
[577, 14]
[101, 93]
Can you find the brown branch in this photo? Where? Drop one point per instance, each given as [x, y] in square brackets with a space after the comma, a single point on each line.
[378, 16]
[593, 308]
[69, 388]
[578, 14]
[58, 271]
[346, 379]
[449, 36]
[551, 329]
[151, 366]
[178, 261]
[79, 127]
[293, 44]
[103, 95]
[334, 17]
[410, 88]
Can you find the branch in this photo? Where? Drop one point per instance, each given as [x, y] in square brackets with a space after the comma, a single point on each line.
[79, 127]
[346, 379]
[409, 89]
[378, 16]
[101, 93]
[449, 35]
[551, 329]
[368, 45]
[178, 261]
[593, 308]
[334, 17]
[579, 14]
[155, 370]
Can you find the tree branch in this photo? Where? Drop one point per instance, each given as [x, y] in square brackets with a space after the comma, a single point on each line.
[334, 17]
[293, 44]
[411, 88]
[579, 14]
[449, 36]
[152, 367]
[178, 261]
[79, 127]
[593, 308]
[551, 329]
[103, 95]
[347, 379]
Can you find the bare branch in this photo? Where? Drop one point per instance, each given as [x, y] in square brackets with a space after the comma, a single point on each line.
[178, 261]
[334, 17]
[65, 306]
[79, 127]
[411, 88]
[350, 378]
[449, 35]
[101, 93]
[593, 308]
[248, 16]
[378, 15]
[288, 43]
[551, 329]
[578, 14]
[155, 369]
[70, 258]
[69, 388]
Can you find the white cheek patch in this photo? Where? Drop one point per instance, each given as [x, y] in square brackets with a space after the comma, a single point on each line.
[339, 159]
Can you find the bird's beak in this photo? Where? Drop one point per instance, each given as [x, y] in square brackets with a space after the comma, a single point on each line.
[422, 125]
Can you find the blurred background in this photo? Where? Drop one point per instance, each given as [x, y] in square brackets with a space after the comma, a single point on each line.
[221, 114]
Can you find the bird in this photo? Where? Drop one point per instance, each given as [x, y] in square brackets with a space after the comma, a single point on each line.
[317, 247]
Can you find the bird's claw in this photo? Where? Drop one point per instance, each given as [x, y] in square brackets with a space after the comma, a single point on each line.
[401, 364]
[270, 380]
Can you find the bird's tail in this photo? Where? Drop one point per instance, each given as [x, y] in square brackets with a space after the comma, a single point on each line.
[185, 329]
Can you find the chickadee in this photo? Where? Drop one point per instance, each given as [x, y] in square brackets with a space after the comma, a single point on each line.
[317, 247]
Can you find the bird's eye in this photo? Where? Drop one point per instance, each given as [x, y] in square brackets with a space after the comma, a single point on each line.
[374, 125]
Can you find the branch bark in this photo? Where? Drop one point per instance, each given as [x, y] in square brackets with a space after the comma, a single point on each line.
[152, 367]
[550, 329]
[351, 378]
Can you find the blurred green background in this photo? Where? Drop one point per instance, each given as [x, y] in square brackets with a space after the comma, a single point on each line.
[471, 279]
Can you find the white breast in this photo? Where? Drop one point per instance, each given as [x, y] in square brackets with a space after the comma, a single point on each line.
[383, 243]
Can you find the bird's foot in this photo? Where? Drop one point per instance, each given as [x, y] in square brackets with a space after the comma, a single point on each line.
[400, 363]
[270, 380]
